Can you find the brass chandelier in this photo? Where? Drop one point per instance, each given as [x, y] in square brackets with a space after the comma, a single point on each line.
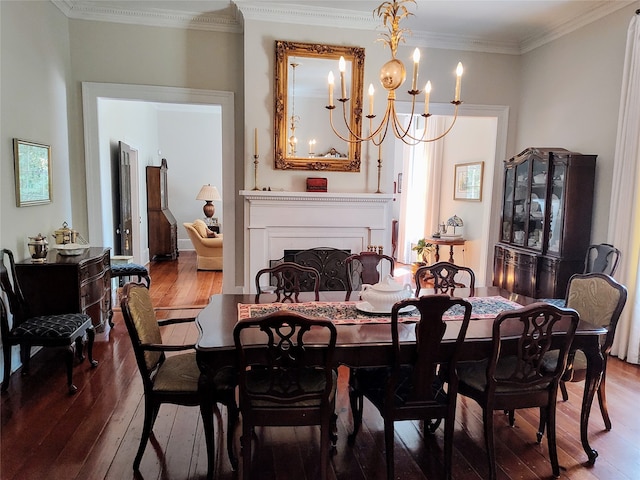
[392, 76]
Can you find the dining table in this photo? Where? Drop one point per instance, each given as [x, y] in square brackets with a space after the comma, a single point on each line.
[364, 339]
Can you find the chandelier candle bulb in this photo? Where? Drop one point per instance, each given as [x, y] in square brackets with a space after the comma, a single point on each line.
[342, 65]
[331, 82]
[427, 94]
[459, 71]
[416, 61]
[371, 90]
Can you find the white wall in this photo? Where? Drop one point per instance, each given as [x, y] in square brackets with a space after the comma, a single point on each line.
[571, 96]
[35, 65]
[488, 80]
[191, 141]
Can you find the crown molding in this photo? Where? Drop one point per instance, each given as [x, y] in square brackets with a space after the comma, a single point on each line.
[327, 17]
[562, 27]
[154, 17]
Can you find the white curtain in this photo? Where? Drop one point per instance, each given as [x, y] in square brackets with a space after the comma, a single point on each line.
[421, 179]
[624, 218]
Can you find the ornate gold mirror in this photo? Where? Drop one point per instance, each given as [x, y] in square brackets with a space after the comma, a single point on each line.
[303, 136]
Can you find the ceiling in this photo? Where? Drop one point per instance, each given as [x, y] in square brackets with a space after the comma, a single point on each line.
[497, 26]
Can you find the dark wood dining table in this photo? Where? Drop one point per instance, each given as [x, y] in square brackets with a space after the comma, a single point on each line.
[369, 344]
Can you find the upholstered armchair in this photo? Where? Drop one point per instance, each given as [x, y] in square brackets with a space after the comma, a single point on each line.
[208, 249]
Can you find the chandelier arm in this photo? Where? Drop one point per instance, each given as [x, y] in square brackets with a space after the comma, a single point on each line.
[352, 134]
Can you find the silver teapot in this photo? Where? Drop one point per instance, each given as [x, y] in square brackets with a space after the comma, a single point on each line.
[38, 248]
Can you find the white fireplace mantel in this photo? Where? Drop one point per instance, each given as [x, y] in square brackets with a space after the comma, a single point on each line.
[278, 221]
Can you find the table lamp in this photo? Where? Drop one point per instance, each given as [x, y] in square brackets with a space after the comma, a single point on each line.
[209, 194]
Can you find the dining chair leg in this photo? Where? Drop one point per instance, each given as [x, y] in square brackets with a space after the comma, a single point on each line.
[551, 439]
[232, 422]
[6, 353]
[325, 441]
[602, 401]
[541, 426]
[563, 389]
[449, 426]
[356, 399]
[245, 442]
[91, 337]
[149, 416]
[487, 415]
[388, 445]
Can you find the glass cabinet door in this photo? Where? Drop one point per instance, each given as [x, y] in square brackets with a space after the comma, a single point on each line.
[520, 204]
[507, 205]
[537, 204]
[555, 213]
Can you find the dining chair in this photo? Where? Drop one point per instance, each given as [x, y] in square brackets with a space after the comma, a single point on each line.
[602, 258]
[366, 268]
[66, 330]
[288, 280]
[599, 300]
[291, 381]
[517, 374]
[414, 390]
[169, 378]
[443, 275]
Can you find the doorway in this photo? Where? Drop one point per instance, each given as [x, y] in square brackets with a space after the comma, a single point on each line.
[98, 166]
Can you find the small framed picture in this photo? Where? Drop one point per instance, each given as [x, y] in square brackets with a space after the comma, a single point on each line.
[32, 162]
[467, 183]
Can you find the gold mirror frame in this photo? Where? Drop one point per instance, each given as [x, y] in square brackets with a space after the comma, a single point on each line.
[355, 55]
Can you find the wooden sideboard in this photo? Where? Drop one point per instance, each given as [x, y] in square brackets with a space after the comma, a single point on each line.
[69, 284]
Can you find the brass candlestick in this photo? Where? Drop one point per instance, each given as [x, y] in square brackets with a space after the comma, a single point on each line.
[255, 172]
[379, 170]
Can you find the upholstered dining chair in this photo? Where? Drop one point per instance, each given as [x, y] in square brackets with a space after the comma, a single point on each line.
[293, 383]
[443, 275]
[602, 258]
[65, 331]
[290, 279]
[169, 378]
[599, 300]
[414, 390]
[366, 268]
[516, 375]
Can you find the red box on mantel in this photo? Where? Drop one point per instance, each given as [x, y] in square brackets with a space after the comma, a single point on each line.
[316, 184]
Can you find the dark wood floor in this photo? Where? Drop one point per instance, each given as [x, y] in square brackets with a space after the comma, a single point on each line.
[94, 434]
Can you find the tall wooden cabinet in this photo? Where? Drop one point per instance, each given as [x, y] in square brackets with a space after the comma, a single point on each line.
[546, 221]
[163, 228]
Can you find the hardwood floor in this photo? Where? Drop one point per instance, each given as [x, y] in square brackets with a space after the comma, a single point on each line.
[94, 434]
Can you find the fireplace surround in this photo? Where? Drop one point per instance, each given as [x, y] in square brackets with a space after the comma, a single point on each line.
[279, 221]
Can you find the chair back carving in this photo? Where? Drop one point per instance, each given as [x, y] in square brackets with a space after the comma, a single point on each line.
[518, 367]
[599, 300]
[429, 333]
[366, 268]
[291, 370]
[288, 279]
[443, 275]
[602, 258]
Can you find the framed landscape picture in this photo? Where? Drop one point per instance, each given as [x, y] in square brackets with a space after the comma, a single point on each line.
[33, 172]
[468, 181]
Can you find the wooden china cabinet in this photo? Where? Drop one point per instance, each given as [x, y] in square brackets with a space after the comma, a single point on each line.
[163, 228]
[546, 221]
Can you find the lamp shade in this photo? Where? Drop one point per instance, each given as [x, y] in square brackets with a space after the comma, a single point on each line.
[208, 193]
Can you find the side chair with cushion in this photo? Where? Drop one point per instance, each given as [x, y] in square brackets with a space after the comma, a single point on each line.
[602, 258]
[362, 268]
[169, 378]
[208, 249]
[415, 390]
[287, 280]
[286, 377]
[599, 300]
[516, 375]
[65, 331]
[443, 275]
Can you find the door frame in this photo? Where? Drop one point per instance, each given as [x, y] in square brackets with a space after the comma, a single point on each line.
[98, 168]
